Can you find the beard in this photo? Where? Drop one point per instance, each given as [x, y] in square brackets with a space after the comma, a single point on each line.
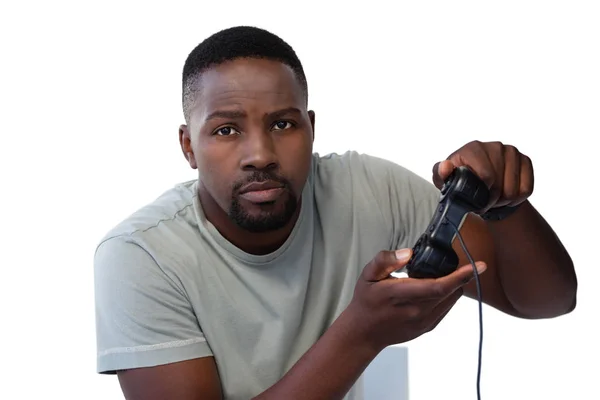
[263, 217]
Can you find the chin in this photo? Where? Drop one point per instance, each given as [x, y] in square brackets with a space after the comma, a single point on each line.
[263, 217]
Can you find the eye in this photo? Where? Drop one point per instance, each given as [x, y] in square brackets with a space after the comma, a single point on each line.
[225, 131]
[281, 125]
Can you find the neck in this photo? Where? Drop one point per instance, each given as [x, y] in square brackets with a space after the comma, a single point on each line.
[249, 242]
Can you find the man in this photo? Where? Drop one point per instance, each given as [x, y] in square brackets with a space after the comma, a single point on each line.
[268, 277]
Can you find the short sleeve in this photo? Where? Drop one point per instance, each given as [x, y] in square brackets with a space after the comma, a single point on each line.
[143, 318]
[407, 201]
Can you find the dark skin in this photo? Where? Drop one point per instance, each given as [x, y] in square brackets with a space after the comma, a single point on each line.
[532, 275]
[261, 125]
[264, 130]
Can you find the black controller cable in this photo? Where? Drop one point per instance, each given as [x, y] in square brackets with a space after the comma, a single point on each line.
[479, 298]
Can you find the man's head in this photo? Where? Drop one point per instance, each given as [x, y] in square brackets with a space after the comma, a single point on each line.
[248, 130]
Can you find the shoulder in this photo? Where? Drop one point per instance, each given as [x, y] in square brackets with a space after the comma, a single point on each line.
[360, 165]
[172, 207]
[158, 234]
[349, 161]
[151, 245]
[377, 175]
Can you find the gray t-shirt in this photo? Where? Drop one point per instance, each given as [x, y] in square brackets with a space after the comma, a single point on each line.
[169, 287]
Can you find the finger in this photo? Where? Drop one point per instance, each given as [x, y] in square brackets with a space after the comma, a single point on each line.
[512, 176]
[479, 162]
[526, 179]
[384, 263]
[410, 290]
[495, 155]
[441, 171]
[475, 157]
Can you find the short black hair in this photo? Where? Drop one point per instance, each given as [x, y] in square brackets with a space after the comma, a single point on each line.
[233, 43]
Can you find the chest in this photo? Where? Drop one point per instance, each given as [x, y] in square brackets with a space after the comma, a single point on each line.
[260, 319]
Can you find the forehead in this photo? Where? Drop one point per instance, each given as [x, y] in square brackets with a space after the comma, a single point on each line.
[246, 83]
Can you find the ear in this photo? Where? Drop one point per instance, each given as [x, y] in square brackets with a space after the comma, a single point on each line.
[185, 142]
[311, 115]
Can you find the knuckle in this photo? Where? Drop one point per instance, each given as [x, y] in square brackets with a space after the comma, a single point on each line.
[511, 192]
[526, 191]
[473, 144]
[498, 145]
[487, 176]
[510, 149]
[382, 257]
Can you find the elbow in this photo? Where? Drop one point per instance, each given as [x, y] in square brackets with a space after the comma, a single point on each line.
[549, 310]
[573, 305]
[556, 304]
[572, 295]
[568, 298]
[564, 305]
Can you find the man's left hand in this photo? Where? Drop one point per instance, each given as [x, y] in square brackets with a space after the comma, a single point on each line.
[507, 172]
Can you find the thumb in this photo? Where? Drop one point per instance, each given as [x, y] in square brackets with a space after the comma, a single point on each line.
[441, 171]
[384, 263]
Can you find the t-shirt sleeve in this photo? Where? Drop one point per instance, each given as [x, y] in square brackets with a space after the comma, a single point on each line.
[407, 201]
[143, 317]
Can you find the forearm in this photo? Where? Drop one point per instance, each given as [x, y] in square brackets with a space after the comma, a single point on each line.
[329, 368]
[535, 270]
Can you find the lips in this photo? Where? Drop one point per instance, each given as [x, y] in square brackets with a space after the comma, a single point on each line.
[262, 192]
[259, 186]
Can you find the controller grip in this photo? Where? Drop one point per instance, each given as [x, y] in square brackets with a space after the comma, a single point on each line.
[466, 187]
[431, 261]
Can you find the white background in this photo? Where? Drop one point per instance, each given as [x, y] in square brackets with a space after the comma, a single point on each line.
[90, 106]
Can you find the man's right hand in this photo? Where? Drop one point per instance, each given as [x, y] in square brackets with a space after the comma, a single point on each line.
[389, 310]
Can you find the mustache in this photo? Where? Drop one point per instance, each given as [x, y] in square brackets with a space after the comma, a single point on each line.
[261, 176]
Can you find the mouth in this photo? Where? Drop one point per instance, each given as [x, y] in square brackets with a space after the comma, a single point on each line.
[262, 192]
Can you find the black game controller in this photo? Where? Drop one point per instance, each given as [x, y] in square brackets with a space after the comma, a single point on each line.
[433, 256]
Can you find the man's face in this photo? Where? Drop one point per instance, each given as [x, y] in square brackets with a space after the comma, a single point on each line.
[250, 137]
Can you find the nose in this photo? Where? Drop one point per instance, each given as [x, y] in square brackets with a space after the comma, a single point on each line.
[259, 152]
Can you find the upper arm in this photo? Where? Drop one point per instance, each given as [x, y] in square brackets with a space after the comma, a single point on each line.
[146, 328]
[479, 243]
[195, 379]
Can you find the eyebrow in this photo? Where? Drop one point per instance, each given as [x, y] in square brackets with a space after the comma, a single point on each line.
[226, 115]
[282, 112]
[236, 114]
